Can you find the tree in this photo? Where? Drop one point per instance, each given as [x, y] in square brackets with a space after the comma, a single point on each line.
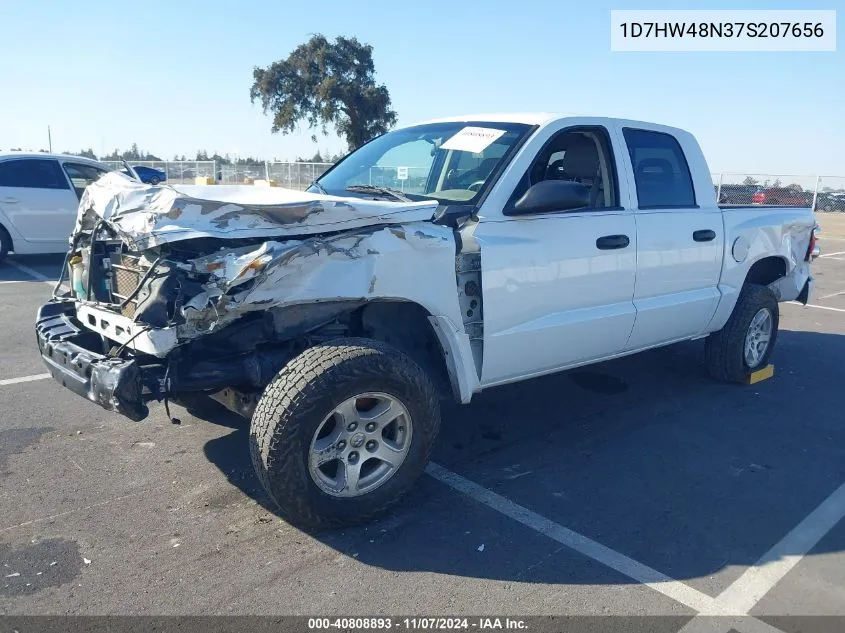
[133, 154]
[316, 158]
[777, 183]
[749, 181]
[326, 83]
[85, 153]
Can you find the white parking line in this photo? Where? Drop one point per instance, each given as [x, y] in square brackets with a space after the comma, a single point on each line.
[810, 305]
[833, 294]
[31, 272]
[15, 381]
[735, 601]
[644, 574]
[832, 254]
[758, 580]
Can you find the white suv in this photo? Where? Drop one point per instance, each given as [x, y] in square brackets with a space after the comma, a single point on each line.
[39, 195]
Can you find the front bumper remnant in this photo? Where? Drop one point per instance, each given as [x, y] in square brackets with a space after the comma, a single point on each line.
[68, 351]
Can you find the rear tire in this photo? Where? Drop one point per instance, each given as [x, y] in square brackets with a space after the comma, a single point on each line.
[737, 350]
[5, 243]
[315, 390]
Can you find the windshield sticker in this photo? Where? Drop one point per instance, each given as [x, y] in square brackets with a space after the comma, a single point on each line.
[472, 139]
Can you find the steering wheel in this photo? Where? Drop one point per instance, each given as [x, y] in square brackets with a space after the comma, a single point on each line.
[478, 184]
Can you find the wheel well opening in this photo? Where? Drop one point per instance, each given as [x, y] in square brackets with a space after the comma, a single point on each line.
[406, 327]
[766, 271]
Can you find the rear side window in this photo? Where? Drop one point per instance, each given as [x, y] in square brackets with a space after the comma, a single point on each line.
[661, 172]
[82, 175]
[32, 173]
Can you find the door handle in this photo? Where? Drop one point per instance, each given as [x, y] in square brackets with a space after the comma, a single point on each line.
[9, 200]
[610, 242]
[704, 235]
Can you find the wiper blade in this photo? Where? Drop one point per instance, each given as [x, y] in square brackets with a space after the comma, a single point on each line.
[384, 191]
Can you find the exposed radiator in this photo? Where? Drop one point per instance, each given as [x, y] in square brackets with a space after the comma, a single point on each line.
[126, 275]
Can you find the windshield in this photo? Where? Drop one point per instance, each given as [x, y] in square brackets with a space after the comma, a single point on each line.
[449, 162]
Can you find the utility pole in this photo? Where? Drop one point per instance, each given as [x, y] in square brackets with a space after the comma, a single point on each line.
[49, 139]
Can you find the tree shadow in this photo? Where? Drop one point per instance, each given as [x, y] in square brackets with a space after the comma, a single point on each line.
[645, 454]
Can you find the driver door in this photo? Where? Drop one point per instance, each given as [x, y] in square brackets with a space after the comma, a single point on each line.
[558, 286]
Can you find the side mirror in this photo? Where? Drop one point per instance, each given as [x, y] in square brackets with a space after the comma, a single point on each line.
[552, 195]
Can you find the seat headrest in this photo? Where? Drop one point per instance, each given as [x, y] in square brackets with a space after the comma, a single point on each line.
[581, 159]
[655, 169]
[555, 170]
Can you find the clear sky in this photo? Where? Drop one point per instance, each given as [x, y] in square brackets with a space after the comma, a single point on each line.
[175, 76]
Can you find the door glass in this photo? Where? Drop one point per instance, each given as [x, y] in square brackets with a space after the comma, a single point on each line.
[82, 175]
[660, 170]
[32, 173]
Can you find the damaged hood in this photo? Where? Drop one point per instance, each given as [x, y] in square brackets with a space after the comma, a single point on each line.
[147, 215]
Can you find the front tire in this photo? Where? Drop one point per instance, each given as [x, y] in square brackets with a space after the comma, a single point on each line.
[746, 342]
[343, 432]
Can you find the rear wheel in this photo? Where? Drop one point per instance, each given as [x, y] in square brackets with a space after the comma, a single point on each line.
[343, 432]
[746, 342]
[5, 243]
[154, 180]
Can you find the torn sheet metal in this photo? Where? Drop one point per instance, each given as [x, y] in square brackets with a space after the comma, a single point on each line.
[361, 265]
[146, 215]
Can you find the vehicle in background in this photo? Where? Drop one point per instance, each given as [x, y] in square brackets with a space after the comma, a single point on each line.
[737, 194]
[828, 201]
[147, 174]
[39, 198]
[782, 197]
[338, 318]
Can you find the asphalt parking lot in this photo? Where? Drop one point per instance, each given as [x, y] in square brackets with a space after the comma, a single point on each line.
[634, 487]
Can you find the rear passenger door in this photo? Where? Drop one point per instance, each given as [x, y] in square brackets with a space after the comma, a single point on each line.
[37, 199]
[679, 243]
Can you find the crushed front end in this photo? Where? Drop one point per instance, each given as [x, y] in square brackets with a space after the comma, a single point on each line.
[171, 294]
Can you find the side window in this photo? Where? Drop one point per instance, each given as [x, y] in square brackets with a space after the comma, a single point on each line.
[32, 173]
[660, 169]
[580, 155]
[82, 175]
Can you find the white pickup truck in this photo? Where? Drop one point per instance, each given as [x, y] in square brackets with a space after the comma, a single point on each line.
[433, 262]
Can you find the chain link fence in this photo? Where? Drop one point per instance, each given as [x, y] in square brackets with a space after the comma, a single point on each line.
[296, 175]
[831, 194]
[290, 175]
[405, 178]
[822, 193]
[175, 171]
[241, 174]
